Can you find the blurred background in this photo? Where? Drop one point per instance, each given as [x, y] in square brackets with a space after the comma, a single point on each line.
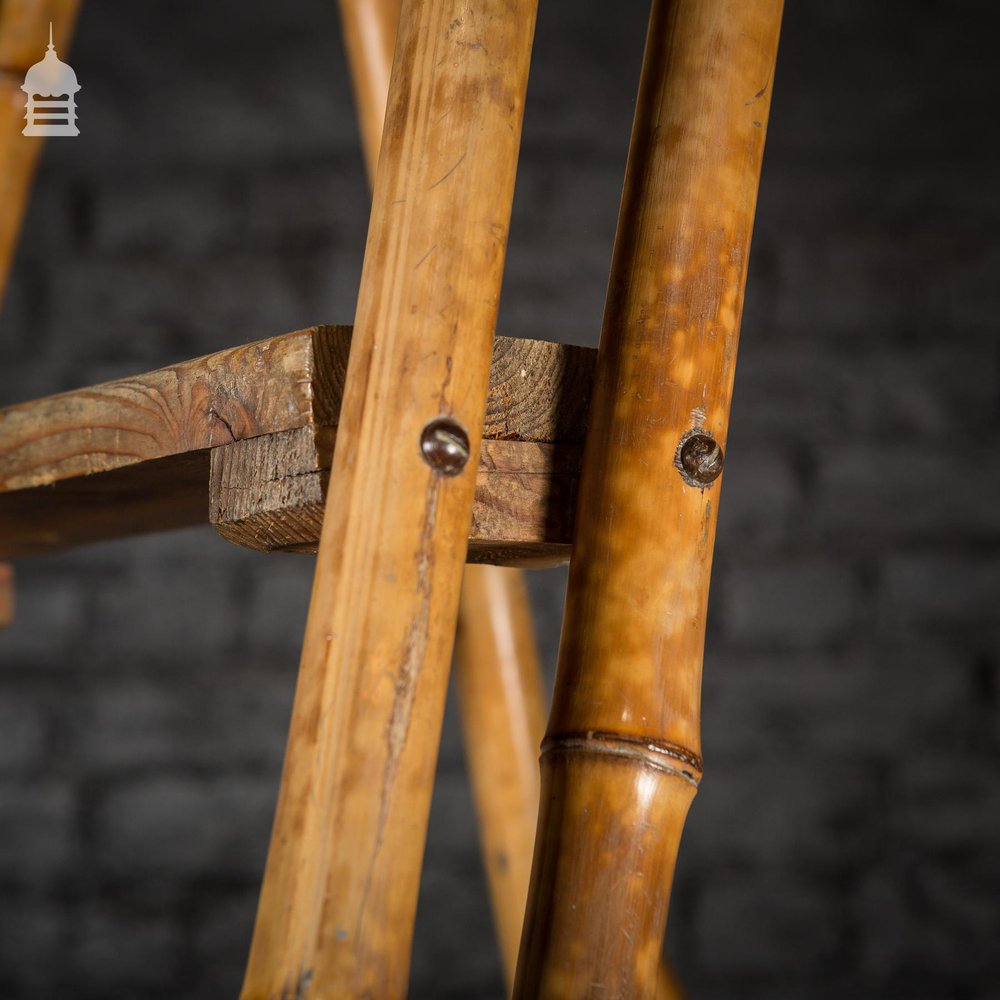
[846, 840]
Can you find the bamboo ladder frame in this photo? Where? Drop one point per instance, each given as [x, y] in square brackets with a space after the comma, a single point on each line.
[500, 689]
[622, 746]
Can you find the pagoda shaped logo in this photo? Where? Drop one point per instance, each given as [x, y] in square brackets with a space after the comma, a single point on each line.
[51, 87]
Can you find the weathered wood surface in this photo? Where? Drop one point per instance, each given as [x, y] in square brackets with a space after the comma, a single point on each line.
[24, 35]
[336, 910]
[528, 466]
[133, 455]
[622, 756]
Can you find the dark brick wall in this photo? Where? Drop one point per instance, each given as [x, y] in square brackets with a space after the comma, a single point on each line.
[845, 839]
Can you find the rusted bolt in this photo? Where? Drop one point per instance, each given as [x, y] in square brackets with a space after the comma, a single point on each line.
[699, 459]
[445, 446]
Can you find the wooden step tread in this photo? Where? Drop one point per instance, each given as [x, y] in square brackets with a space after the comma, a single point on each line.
[244, 439]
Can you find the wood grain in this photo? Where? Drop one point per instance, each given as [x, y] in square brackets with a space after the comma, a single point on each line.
[336, 909]
[528, 468]
[622, 756]
[492, 599]
[134, 455]
[236, 394]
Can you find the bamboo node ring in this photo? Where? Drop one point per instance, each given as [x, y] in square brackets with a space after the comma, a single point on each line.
[444, 444]
[660, 755]
[699, 458]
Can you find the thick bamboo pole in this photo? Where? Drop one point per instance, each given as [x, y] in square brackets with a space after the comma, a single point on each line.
[622, 756]
[499, 678]
[336, 912]
[503, 716]
[24, 33]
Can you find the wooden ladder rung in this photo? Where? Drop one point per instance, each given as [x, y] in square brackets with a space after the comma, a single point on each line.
[244, 439]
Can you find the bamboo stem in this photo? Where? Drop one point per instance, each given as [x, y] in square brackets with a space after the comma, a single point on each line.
[336, 911]
[6, 595]
[501, 701]
[499, 678]
[23, 36]
[622, 755]
[22, 25]
[370, 39]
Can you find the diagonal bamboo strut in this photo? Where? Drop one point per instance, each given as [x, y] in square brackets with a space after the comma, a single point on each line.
[498, 674]
[22, 40]
[503, 717]
[621, 759]
[337, 903]
[6, 595]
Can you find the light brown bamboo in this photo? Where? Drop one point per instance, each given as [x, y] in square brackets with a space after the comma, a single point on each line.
[369, 28]
[503, 716]
[335, 917]
[24, 34]
[6, 595]
[499, 678]
[622, 755]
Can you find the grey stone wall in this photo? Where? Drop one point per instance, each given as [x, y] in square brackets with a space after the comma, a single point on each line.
[845, 841]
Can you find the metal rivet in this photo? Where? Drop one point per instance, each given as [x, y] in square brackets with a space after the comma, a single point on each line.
[445, 446]
[699, 459]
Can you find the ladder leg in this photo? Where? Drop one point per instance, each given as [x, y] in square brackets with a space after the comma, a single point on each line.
[23, 32]
[502, 706]
[621, 760]
[336, 911]
[6, 595]
[499, 678]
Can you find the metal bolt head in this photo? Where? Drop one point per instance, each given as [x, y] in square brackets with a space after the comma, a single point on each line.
[699, 459]
[445, 446]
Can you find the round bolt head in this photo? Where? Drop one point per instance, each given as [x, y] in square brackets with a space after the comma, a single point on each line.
[699, 459]
[444, 444]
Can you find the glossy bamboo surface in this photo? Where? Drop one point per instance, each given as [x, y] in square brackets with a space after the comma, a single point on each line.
[369, 28]
[622, 756]
[336, 912]
[501, 700]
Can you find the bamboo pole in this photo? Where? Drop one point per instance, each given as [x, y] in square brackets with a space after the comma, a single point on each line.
[24, 33]
[335, 917]
[622, 756]
[22, 41]
[370, 39]
[6, 595]
[499, 678]
[501, 700]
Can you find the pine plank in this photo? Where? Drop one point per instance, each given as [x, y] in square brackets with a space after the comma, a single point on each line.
[244, 438]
